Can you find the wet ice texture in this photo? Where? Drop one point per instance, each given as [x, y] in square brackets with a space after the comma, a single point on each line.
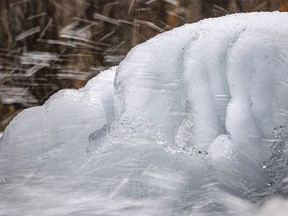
[195, 124]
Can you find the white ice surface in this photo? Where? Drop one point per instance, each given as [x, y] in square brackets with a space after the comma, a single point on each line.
[192, 122]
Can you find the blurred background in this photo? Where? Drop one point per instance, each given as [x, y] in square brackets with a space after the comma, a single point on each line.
[47, 45]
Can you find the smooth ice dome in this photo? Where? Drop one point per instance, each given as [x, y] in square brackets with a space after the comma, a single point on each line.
[192, 122]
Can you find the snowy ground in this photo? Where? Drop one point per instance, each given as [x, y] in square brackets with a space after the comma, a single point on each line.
[192, 122]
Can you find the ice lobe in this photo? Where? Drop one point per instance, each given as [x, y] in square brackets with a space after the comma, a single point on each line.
[58, 129]
[228, 74]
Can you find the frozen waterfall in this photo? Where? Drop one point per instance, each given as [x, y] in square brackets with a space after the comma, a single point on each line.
[192, 122]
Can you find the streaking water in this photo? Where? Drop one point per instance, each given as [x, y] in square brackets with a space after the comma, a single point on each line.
[192, 122]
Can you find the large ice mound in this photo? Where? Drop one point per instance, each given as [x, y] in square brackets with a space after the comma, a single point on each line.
[195, 124]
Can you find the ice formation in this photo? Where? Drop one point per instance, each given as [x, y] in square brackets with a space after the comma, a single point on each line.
[191, 122]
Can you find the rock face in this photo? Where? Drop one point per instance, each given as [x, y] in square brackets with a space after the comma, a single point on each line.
[191, 122]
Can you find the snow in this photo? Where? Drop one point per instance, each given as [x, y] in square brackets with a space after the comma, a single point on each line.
[191, 122]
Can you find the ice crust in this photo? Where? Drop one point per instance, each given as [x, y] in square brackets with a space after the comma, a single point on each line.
[191, 122]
